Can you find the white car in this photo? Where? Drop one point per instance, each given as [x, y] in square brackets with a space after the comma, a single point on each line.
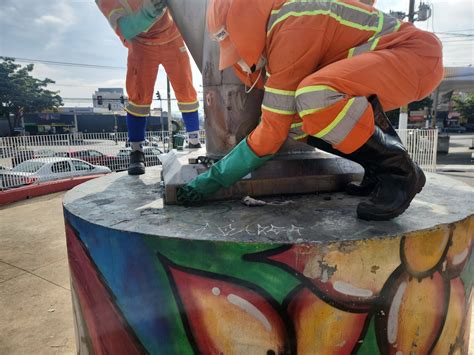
[48, 169]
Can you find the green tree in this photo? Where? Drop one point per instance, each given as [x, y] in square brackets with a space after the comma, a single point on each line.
[21, 93]
[465, 106]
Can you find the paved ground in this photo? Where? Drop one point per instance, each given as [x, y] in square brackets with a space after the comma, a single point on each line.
[35, 302]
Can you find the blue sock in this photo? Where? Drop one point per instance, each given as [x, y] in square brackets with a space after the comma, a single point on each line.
[191, 121]
[136, 127]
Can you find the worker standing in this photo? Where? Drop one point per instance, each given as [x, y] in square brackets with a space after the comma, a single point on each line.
[332, 68]
[152, 38]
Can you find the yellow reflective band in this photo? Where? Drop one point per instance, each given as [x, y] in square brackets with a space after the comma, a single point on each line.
[314, 88]
[397, 26]
[281, 112]
[300, 137]
[322, 12]
[135, 113]
[309, 112]
[280, 92]
[338, 119]
[379, 28]
[296, 125]
[289, 2]
[374, 44]
[137, 105]
[351, 52]
[188, 103]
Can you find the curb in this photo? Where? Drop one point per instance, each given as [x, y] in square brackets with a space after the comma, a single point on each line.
[41, 189]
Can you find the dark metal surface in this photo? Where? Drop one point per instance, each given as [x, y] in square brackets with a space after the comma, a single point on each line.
[135, 204]
[286, 174]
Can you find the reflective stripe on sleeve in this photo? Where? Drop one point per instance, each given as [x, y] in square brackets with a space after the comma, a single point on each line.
[311, 99]
[188, 106]
[279, 101]
[346, 14]
[387, 25]
[116, 15]
[345, 121]
[138, 110]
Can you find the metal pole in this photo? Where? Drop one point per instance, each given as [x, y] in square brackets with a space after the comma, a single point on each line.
[76, 127]
[434, 122]
[170, 119]
[403, 118]
[411, 11]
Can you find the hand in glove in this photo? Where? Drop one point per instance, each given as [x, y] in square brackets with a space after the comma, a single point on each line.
[227, 171]
[142, 19]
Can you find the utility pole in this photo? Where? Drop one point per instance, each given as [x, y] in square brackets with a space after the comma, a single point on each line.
[411, 11]
[170, 119]
[403, 118]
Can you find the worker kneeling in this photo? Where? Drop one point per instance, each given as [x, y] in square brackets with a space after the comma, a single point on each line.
[332, 68]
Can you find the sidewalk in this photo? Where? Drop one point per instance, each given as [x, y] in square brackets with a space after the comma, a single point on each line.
[35, 299]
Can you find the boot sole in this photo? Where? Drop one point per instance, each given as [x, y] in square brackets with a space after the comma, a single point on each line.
[136, 171]
[393, 214]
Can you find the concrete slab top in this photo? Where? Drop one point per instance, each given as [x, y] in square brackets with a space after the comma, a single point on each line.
[135, 204]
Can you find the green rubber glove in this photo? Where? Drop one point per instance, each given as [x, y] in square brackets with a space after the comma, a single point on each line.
[227, 171]
[142, 19]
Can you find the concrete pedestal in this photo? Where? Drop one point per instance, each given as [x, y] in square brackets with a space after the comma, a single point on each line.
[300, 275]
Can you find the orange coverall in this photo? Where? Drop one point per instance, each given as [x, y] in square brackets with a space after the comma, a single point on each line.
[323, 60]
[161, 44]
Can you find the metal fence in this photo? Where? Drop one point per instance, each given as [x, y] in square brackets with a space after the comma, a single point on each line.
[32, 159]
[422, 144]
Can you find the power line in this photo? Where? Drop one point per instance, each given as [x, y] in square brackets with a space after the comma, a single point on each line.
[68, 64]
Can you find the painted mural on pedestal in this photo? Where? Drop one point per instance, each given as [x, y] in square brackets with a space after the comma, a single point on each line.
[139, 294]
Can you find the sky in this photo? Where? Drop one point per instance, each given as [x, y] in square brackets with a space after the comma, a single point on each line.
[75, 31]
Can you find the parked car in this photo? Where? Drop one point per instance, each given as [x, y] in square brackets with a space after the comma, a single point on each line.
[454, 129]
[152, 142]
[94, 157]
[48, 169]
[22, 155]
[469, 127]
[152, 156]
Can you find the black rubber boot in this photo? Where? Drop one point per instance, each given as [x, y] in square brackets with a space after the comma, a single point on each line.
[137, 163]
[366, 186]
[193, 146]
[369, 181]
[399, 178]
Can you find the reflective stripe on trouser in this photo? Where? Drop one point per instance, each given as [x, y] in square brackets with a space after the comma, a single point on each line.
[296, 132]
[137, 110]
[344, 122]
[188, 106]
[143, 63]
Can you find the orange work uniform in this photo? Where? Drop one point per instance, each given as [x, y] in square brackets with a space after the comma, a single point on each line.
[324, 58]
[161, 44]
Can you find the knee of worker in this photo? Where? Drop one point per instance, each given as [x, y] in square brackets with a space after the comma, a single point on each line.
[313, 97]
[429, 51]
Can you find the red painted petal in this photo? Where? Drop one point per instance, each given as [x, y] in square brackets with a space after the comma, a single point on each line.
[225, 316]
